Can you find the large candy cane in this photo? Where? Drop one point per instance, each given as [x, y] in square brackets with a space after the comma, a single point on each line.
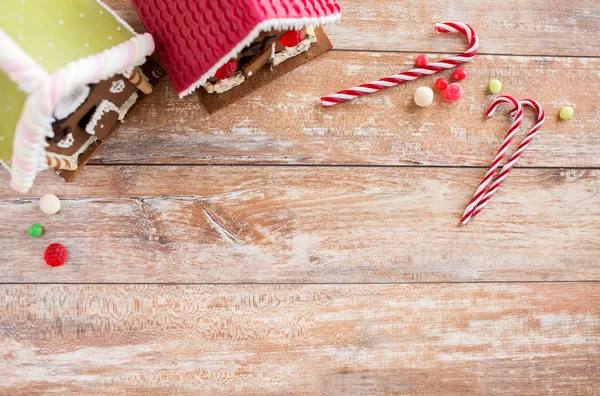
[541, 118]
[432, 68]
[481, 189]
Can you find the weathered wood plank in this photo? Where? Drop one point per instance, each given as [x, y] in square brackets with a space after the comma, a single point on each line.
[525, 339]
[305, 224]
[550, 27]
[283, 122]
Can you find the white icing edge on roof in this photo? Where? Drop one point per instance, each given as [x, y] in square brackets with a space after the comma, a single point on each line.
[265, 26]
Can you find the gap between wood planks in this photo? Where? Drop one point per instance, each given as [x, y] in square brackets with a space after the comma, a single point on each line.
[296, 283]
[400, 166]
[480, 53]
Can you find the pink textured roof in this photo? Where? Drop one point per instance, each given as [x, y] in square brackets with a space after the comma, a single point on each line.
[195, 37]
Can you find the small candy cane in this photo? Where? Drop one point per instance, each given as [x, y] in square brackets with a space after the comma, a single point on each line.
[481, 190]
[432, 68]
[541, 118]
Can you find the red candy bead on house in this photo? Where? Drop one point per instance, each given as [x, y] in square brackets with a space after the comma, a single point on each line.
[55, 255]
[459, 74]
[421, 61]
[226, 70]
[292, 39]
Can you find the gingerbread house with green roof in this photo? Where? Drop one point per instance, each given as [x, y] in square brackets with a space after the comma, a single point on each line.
[69, 72]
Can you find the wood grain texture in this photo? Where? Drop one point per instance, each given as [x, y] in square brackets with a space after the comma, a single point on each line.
[514, 27]
[173, 222]
[283, 123]
[505, 339]
[306, 224]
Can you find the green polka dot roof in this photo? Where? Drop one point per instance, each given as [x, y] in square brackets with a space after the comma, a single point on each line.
[58, 32]
[53, 33]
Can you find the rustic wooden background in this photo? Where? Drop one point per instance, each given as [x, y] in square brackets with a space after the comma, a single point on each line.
[279, 248]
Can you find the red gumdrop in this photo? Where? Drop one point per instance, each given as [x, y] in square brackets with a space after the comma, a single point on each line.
[226, 70]
[421, 61]
[441, 83]
[55, 255]
[453, 93]
[459, 74]
[292, 39]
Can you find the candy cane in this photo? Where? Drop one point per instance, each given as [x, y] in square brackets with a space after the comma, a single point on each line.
[432, 68]
[541, 118]
[481, 190]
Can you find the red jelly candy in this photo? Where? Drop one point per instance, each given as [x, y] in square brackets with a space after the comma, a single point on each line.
[459, 74]
[453, 93]
[55, 255]
[292, 39]
[441, 83]
[226, 70]
[421, 61]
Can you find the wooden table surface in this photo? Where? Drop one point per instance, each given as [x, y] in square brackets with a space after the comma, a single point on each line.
[280, 248]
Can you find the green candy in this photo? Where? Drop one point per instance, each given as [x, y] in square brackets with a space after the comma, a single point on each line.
[495, 86]
[35, 230]
[566, 113]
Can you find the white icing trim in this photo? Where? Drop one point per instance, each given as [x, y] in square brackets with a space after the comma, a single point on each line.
[19, 66]
[73, 157]
[103, 108]
[66, 142]
[225, 85]
[29, 154]
[71, 102]
[117, 17]
[127, 105]
[265, 26]
[290, 52]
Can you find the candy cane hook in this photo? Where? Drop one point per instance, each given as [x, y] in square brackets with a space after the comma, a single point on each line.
[432, 68]
[481, 189]
[541, 118]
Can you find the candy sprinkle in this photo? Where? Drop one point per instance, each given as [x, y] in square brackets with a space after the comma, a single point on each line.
[453, 93]
[35, 231]
[55, 255]
[421, 61]
[459, 74]
[495, 86]
[566, 113]
[423, 96]
[50, 204]
[441, 83]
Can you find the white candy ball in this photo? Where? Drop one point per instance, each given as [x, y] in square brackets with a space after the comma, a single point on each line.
[424, 96]
[50, 204]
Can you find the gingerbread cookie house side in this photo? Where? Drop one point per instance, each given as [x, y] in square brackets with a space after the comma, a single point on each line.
[226, 61]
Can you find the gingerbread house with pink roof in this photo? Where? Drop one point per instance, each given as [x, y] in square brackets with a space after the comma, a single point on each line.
[228, 48]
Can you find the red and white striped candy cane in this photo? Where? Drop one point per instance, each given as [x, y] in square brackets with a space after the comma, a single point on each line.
[481, 189]
[432, 68]
[541, 118]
